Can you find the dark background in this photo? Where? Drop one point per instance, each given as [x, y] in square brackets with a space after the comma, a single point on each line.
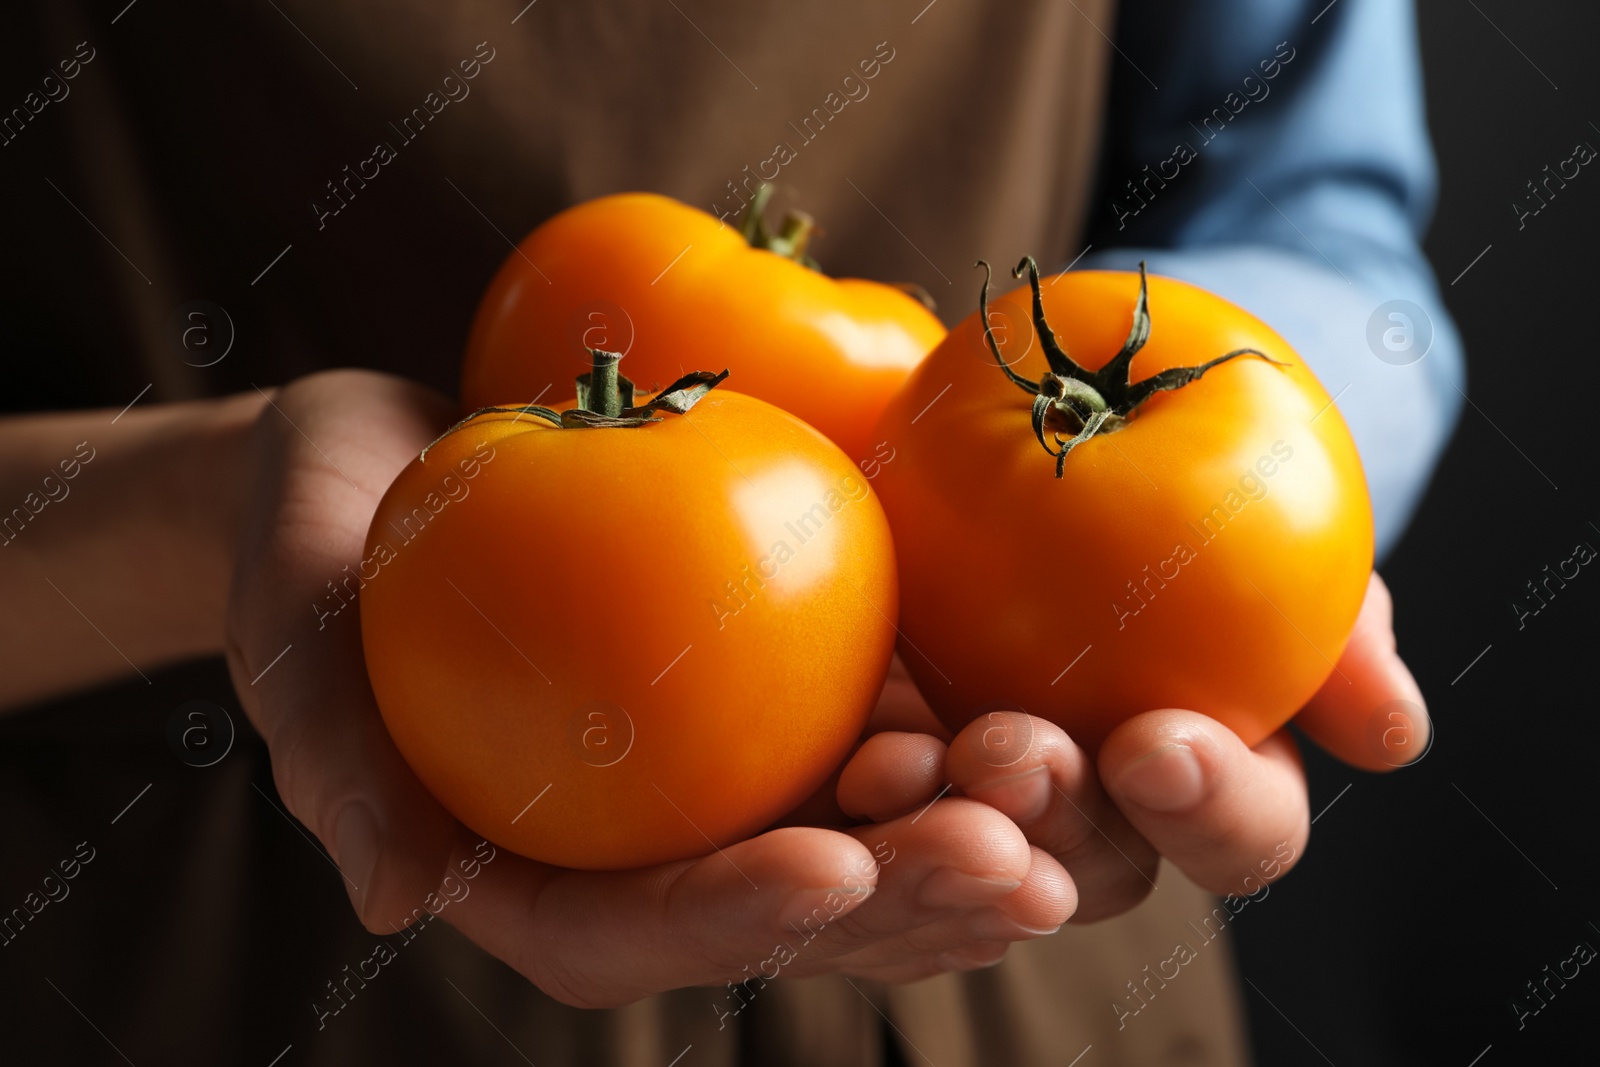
[1413, 922]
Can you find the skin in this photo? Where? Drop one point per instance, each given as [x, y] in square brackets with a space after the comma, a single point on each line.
[972, 874]
[645, 275]
[139, 540]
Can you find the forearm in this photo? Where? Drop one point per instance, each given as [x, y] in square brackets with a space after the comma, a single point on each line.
[116, 540]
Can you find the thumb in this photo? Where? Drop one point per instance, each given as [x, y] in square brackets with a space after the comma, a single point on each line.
[1370, 712]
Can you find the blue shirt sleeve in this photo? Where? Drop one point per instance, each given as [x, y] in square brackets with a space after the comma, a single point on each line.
[1276, 153]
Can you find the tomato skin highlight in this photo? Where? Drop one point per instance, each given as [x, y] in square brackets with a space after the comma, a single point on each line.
[664, 282]
[575, 573]
[1211, 555]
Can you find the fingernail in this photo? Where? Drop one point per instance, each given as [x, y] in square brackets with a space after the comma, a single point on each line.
[950, 888]
[1023, 796]
[355, 837]
[994, 925]
[818, 907]
[1166, 780]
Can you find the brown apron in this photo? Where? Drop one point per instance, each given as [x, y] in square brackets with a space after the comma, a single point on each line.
[229, 153]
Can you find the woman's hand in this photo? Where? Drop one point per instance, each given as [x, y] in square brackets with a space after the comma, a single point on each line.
[1029, 837]
[1166, 783]
[905, 897]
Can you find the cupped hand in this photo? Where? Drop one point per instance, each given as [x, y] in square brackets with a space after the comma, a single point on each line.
[1166, 783]
[915, 893]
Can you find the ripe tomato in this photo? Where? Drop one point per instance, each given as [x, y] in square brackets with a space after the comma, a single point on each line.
[613, 647]
[662, 283]
[1209, 553]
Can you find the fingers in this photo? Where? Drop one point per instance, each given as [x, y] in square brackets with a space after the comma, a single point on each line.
[596, 939]
[825, 902]
[892, 774]
[1230, 817]
[945, 920]
[942, 890]
[1370, 712]
[952, 856]
[954, 861]
[977, 937]
[1031, 771]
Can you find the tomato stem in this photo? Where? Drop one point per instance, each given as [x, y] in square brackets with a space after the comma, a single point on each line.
[611, 405]
[793, 236]
[603, 390]
[1068, 398]
[917, 293]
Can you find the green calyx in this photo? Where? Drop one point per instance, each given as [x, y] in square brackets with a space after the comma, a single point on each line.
[793, 235]
[605, 400]
[1073, 404]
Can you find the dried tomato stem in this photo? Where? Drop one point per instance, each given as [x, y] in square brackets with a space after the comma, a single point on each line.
[605, 400]
[602, 393]
[1080, 401]
[793, 236]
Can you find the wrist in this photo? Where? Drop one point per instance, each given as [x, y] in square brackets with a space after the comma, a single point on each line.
[207, 445]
